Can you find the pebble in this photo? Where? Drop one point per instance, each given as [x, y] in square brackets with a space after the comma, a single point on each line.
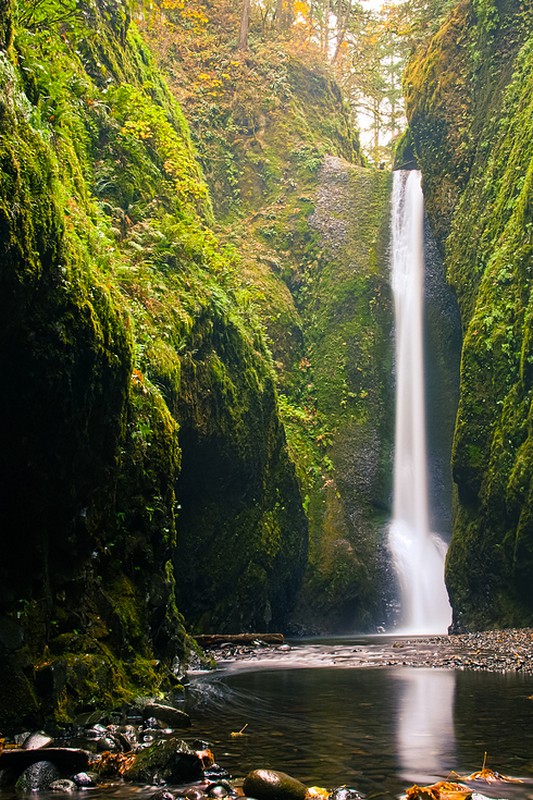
[63, 785]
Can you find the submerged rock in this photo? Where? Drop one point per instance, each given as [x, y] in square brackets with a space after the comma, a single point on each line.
[269, 784]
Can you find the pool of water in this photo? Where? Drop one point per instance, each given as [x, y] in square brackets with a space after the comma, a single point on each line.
[378, 730]
[322, 714]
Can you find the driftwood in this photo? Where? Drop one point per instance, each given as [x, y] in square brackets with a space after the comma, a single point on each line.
[218, 639]
[68, 758]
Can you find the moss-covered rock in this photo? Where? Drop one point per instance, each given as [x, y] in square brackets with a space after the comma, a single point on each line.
[277, 125]
[471, 124]
[127, 337]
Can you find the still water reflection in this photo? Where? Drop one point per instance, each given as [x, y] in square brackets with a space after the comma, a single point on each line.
[379, 730]
[425, 735]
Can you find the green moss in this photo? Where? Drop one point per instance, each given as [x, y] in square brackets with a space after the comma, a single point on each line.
[488, 251]
[129, 335]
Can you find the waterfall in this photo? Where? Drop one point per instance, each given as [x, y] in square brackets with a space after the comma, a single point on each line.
[417, 553]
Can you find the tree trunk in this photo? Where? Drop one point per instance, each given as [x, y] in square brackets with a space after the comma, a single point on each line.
[245, 24]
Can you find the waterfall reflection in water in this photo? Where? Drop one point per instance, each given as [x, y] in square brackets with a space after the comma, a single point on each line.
[425, 732]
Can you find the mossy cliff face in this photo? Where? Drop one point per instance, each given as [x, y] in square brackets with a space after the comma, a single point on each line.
[470, 109]
[284, 167]
[346, 310]
[131, 355]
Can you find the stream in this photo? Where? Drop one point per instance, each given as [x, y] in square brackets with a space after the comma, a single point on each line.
[321, 716]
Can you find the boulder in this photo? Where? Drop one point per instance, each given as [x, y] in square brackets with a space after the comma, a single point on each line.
[37, 740]
[38, 776]
[269, 784]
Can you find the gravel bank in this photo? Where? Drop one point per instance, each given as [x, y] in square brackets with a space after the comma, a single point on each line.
[494, 651]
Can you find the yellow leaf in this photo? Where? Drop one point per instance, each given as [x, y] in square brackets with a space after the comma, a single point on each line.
[239, 733]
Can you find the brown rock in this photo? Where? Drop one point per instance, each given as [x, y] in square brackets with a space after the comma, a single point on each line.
[269, 784]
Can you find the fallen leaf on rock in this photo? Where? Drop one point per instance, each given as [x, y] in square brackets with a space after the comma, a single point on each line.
[318, 793]
[443, 790]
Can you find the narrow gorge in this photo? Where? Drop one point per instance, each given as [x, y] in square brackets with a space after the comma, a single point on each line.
[197, 329]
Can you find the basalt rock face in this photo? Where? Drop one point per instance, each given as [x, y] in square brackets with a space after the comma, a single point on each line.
[135, 379]
[470, 108]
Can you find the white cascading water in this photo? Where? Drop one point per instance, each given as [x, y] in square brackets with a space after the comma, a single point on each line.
[418, 554]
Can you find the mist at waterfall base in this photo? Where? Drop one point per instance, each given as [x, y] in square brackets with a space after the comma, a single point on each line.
[418, 554]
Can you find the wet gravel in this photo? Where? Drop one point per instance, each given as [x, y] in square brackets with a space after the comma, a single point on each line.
[493, 651]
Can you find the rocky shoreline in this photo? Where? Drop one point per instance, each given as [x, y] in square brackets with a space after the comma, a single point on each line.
[500, 651]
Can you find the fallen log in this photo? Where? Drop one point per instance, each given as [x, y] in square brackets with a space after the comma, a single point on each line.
[69, 759]
[218, 639]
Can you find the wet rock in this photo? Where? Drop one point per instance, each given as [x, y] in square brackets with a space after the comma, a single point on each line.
[37, 740]
[63, 785]
[95, 733]
[89, 718]
[38, 776]
[168, 714]
[221, 788]
[109, 743]
[217, 791]
[194, 794]
[166, 761]
[345, 793]
[162, 794]
[215, 772]
[269, 784]
[84, 781]
[200, 744]
[124, 737]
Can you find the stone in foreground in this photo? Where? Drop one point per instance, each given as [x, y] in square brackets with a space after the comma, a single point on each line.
[269, 784]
